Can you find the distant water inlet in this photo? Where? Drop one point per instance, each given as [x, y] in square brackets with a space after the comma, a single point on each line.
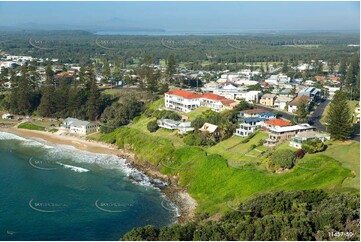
[56, 192]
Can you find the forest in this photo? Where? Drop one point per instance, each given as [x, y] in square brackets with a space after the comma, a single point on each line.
[81, 46]
[298, 215]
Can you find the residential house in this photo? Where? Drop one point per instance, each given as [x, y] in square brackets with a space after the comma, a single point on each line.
[276, 123]
[185, 127]
[313, 93]
[295, 103]
[279, 134]
[216, 102]
[331, 91]
[357, 114]
[268, 100]
[238, 94]
[7, 116]
[245, 82]
[302, 137]
[210, 129]
[81, 127]
[255, 113]
[281, 102]
[211, 86]
[277, 79]
[248, 126]
[168, 124]
[251, 120]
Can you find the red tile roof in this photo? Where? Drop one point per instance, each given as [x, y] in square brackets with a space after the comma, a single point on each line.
[227, 102]
[184, 94]
[214, 97]
[278, 122]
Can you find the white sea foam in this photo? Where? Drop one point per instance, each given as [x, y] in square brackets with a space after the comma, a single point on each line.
[25, 142]
[73, 168]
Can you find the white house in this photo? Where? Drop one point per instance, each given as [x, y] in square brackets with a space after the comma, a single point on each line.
[245, 82]
[281, 102]
[278, 134]
[185, 127]
[332, 91]
[168, 124]
[182, 101]
[300, 138]
[81, 127]
[251, 120]
[7, 116]
[295, 103]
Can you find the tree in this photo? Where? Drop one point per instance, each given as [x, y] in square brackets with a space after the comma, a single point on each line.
[47, 102]
[171, 65]
[313, 146]
[22, 95]
[282, 158]
[93, 101]
[152, 126]
[61, 96]
[285, 67]
[301, 113]
[106, 69]
[339, 117]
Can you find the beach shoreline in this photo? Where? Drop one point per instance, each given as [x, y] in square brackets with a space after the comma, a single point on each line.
[175, 193]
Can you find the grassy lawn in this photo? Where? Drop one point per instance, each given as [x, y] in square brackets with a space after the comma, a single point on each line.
[205, 172]
[195, 113]
[157, 104]
[351, 104]
[31, 126]
[45, 124]
[348, 153]
[171, 135]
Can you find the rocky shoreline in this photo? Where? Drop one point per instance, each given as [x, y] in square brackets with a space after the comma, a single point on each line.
[175, 193]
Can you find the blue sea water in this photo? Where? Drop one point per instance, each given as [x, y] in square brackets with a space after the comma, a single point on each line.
[54, 192]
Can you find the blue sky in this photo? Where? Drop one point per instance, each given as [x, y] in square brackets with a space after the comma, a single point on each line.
[189, 16]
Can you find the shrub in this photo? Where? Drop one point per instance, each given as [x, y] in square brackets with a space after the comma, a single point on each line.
[282, 158]
[252, 147]
[198, 139]
[313, 146]
[300, 153]
[166, 114]
[152, 126]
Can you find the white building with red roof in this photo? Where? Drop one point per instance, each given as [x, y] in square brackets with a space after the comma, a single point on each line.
[182, 101]
[185, 101]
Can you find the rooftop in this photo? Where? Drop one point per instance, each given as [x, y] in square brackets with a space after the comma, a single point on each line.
[212, 96]
[269, 95]
[278, 122]
[184, 94]
[291, 128]
[254, 111]
[298, 100]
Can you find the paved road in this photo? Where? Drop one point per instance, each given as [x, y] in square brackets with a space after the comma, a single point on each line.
[317, 114]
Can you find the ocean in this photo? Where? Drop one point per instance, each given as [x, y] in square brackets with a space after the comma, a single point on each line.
[57, 192]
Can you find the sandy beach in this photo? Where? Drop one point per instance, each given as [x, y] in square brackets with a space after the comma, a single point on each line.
[186, 204]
